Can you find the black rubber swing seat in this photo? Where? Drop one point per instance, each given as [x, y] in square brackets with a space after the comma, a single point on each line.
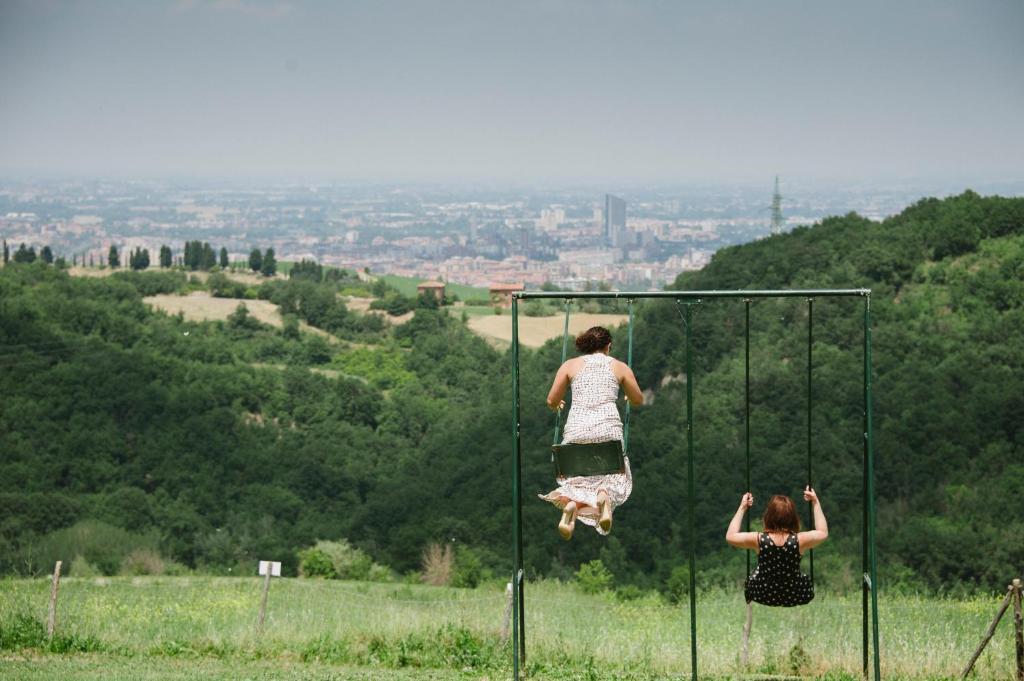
[597, 458]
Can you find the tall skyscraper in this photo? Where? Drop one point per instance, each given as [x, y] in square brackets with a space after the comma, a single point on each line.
[777, 219]
[614, 220]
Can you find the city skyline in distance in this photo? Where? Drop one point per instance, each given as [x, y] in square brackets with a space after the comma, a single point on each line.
[468, 92]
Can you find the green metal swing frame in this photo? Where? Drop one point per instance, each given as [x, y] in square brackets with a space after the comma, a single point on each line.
[685, 301]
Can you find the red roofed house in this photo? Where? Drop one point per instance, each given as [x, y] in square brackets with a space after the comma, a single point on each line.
[434, 288]
[501, 294]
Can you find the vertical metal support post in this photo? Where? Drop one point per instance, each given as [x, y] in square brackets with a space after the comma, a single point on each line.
[865, 586]
[690, 491]
[810, 406]
[870, 448]
[518, 620]
[746, 392]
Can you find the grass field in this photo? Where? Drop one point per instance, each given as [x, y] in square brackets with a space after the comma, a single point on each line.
[200, 306]
[535, 331]
[204, 627]
[407, 287]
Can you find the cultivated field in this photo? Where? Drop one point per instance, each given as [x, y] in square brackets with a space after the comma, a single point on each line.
[535, 331]
[362, 306]
[203, 627]
[200, 306]
[242, 277]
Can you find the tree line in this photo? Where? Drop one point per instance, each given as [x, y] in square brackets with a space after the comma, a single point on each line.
[196, 256]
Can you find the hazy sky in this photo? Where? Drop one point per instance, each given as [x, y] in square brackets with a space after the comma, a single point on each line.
[525, 90]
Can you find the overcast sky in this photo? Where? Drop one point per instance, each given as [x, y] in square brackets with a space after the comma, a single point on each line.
[524, 90]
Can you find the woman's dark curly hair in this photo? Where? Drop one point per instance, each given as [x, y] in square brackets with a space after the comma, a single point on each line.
[593, 339]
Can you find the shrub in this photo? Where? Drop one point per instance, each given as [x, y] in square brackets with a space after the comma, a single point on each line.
[340, 560]
[102, 545]
[677, 586]
[468, 570]
[438, 563]
[313, 562]
[593, 577]
[80, 567]
[143, 562]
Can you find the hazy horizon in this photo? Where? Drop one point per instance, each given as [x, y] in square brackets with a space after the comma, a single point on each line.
[565, 91]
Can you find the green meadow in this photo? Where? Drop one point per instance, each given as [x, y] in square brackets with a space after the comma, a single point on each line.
[205, 627]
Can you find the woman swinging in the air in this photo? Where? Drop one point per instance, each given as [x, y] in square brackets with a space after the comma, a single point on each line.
[777, 580]
[593, 417]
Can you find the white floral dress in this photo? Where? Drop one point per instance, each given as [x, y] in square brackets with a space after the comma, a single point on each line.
[593, 417]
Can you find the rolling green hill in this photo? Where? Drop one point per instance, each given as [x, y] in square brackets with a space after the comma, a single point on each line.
[165, 433]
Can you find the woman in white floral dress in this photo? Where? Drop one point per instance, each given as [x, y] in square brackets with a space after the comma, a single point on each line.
[593, 417]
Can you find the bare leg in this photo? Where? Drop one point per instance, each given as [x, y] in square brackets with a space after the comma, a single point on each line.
[604, 505]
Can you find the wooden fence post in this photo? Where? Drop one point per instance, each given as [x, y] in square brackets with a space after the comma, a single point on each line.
[1010, 592]
[263, 600]
[508, 613]
[745, 653]
[51, 619]
[1018, 626]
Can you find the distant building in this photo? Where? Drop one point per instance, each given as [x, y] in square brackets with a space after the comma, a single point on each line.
[501, 294]
[434, 288]
[614, 220]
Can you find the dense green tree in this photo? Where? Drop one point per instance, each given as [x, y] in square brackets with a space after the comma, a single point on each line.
[46, 255]
[165, 257]
[139, 259]
[255, 260]
[269, 264]
[7, 253]
[24, 254]
[113, 258]
[224, 262]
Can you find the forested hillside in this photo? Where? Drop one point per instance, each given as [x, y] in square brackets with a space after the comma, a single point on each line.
[134, 428]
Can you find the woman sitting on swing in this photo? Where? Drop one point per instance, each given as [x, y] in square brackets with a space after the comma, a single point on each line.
[593, 417]
[777, 580]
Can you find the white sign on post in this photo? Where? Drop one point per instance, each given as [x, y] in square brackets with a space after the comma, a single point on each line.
[273, 567]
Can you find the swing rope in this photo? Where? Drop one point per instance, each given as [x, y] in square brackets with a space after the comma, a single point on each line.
[565, 352]
[746, 394]
[810, 404]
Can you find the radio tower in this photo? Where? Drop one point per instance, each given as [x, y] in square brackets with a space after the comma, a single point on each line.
[777, 219]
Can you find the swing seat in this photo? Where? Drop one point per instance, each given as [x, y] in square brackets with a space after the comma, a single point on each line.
[598, 458]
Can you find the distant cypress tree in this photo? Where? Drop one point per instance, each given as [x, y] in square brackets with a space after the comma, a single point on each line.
[113, 259]
[187, 255]
[224, 258]
[91, 264]
[165, 256]
[7, 252]
[209, 257]
[46, 255]
[255, 260]
[269, 268]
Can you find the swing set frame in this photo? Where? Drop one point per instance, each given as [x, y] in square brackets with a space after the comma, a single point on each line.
[685, 301]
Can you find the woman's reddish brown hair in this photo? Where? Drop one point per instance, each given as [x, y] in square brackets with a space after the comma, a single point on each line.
[781, 515]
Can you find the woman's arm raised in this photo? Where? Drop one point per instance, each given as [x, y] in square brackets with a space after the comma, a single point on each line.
[741, 540]
[630, 386]
[811, 538]
[558, 388]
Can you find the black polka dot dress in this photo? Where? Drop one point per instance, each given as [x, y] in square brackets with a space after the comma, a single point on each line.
[777, 580]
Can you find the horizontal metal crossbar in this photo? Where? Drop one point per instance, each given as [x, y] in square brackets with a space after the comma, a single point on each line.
[782, 293]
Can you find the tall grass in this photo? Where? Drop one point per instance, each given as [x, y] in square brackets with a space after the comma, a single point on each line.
[568, 633]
